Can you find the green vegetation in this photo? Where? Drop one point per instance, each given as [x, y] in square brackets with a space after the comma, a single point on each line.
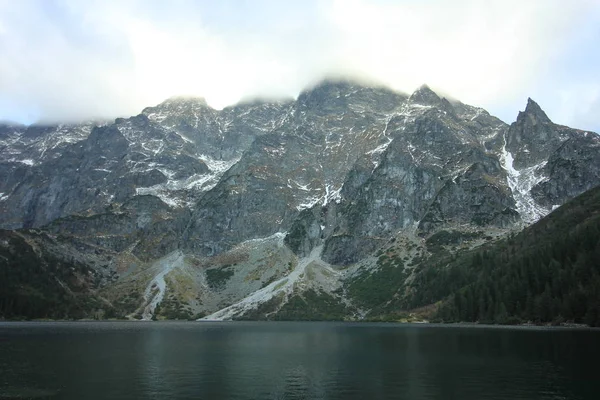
[269, 281]
[171, 308]
[373, 289]
[312, 306]
[447, 238]
[308, 306]
[549, 273]
[35, 283]
[217, 277]
[298, 233]
[125, 304]
[263, 310]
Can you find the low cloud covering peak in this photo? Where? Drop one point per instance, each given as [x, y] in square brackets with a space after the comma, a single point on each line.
[72, 60]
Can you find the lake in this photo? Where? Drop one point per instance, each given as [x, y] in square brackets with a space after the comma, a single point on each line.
[295, 360]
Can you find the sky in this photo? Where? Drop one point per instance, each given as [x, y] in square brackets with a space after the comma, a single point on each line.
[75, 60]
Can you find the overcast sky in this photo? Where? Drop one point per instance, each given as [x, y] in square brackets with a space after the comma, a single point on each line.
[80, 59]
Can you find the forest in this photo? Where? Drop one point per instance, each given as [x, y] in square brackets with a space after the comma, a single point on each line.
[548, 273]
[34, 283]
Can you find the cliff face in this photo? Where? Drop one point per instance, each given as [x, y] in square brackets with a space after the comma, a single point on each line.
[330, 177]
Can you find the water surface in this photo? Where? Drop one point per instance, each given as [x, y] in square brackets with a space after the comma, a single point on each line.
[252, 360]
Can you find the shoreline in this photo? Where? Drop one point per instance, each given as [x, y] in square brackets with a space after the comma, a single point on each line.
[424, 324]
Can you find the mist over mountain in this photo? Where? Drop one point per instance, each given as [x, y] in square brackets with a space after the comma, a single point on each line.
[326, 206]
[110, 59]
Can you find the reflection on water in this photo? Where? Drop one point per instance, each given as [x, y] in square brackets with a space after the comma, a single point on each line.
[248, 360]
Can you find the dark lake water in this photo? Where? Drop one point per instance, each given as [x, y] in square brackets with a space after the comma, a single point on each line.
[247, 360]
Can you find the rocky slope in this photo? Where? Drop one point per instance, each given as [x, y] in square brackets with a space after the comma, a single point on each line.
[263, 209]
[548, 273]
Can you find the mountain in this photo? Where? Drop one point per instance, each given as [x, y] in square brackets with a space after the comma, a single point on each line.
[549, 272]
[320, 207]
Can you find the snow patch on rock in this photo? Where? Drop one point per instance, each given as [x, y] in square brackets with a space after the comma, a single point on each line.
[157, 287]
[332, 195]
[173, 192]
[218, 167]
[278, 237]
[309, 202]
[284, 286]
[521, 182]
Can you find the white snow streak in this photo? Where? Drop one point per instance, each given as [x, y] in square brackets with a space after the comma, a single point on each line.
[298, 185]
[167, 191]
[309, 202]
[156, 289]
[278, 236]
[332, 195]
[521, 183]
[284, 285]
[218, 167]
[376, 152]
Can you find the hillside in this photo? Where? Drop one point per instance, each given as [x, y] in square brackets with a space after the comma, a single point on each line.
[347, 202]
[548, 273]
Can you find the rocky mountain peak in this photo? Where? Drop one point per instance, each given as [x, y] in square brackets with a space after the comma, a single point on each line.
[182, 101]
[425, 96]
[532, 129]
[339, 96]
[262, 200]
[177, 106]
[330, 93]
[533, 113]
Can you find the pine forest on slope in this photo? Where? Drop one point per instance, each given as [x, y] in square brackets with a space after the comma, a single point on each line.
[348, 203]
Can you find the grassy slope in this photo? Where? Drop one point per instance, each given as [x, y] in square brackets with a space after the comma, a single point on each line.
[550, 272]
[34, 283]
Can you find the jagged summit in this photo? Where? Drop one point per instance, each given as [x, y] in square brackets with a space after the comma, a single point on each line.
[423, 88]
[424, 96]
[338, 95]
[251, 205]
[178, 107]
[532, 135]
[259, 101]
[341, 84]
[181, 102]
[326, 89]
[533, 112]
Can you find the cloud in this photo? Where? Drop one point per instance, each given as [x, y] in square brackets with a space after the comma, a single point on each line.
[580, 103]
[484, 53]
[73, 60]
